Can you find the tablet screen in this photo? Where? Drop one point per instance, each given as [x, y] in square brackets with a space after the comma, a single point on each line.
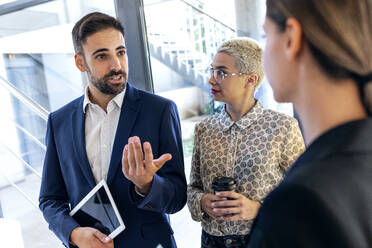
[98, 210]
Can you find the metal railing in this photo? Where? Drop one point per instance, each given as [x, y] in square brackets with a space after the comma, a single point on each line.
[206, 14]
[28, 134]
[190, 40]
[40, 112]
[15, 186]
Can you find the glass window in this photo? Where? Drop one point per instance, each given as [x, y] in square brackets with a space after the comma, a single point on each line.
[37, 58]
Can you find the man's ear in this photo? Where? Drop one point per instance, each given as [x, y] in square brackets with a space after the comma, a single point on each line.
[79, 62]
[294, 43]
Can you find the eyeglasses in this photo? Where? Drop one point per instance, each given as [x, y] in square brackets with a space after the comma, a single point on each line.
[220, 75]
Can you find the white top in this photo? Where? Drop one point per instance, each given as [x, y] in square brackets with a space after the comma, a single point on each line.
[100, 130]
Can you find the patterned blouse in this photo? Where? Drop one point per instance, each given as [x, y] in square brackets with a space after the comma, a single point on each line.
[255, 151]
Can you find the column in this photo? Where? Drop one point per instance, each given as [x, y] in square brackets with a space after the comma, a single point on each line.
[250, 15]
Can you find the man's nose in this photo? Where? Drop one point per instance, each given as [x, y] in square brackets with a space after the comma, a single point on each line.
[115, 64]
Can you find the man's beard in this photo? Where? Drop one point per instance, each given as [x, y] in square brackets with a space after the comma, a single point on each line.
[104, 86]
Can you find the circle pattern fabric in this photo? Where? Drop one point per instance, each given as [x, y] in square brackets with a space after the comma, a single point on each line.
[256, 151]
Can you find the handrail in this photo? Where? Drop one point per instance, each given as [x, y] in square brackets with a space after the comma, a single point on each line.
[204, 13]
[39, 110]
[204, 35]
[37, 141]
[20, 190]
[42, 113]
[22, 161]
[14, 6]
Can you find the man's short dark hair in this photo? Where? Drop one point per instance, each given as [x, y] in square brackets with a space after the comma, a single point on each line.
[91, 24]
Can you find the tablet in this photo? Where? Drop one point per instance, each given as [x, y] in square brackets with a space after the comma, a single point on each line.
[98, 210]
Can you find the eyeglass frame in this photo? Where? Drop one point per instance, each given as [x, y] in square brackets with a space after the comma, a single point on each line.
[211, 71]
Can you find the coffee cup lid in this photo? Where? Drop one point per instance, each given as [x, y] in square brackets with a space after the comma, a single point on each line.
[221, 180]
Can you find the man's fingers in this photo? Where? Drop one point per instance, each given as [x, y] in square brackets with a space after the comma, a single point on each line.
[162, 160]
[131, 157]
[102, 237]
[149, 157]
[138, 155]
[125, 165]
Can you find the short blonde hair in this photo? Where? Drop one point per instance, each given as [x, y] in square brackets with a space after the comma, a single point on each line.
[248, 56]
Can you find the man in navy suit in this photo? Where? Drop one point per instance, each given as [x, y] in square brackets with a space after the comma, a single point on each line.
[99, 136]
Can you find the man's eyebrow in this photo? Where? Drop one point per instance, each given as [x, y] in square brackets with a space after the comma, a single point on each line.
[121, 47]
[100, 50]
[105, 49]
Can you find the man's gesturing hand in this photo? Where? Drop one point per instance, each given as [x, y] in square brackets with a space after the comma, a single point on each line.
[138, 168]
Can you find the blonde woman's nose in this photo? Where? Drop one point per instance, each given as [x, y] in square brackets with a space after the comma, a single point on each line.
[212, 80]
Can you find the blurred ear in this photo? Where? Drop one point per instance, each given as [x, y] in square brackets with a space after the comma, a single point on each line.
[294, 43]
[251, 80]
[79, 62]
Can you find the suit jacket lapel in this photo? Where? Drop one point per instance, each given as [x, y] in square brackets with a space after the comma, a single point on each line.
[128, 116]
[78, 132]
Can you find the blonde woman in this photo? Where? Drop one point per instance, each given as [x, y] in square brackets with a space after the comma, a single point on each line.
[246, 143]
[319, 56]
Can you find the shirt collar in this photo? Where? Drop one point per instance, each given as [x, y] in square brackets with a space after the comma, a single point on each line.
[118, 99]
[253, 114]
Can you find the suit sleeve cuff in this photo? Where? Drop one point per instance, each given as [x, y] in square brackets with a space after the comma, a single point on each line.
[149, 201]
[67, 233]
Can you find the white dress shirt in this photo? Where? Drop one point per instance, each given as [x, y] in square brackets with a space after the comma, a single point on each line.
[100, 130]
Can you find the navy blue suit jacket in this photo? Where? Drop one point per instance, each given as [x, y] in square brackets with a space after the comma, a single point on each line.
[67, 176]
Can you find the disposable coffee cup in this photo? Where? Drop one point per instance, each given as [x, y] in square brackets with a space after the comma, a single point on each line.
[223, 184]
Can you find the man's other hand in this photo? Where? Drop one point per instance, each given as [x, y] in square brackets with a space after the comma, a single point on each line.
[87, 237]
